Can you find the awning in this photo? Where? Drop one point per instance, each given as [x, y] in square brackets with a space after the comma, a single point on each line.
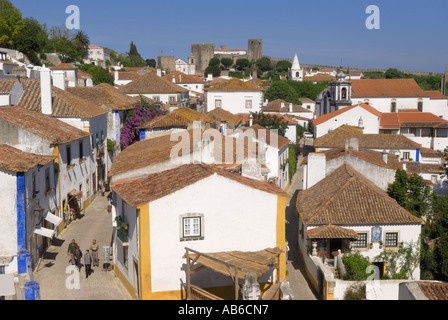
[52, 218]
[7, 287]
[44, 232]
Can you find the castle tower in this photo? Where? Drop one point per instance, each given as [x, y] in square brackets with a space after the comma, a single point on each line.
[255, 49]
[191, 64]
[295, 72]
[203, 53]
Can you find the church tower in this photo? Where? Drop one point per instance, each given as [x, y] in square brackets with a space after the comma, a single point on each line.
[341, 91]
[295, 72]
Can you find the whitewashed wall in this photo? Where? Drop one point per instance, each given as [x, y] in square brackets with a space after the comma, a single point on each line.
[235, 101]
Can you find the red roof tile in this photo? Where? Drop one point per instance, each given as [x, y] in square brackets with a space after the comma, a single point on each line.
[15, 160]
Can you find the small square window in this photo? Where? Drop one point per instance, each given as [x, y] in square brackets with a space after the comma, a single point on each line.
[248, 104]
[362, 240]
[391, 239]
[191, 227]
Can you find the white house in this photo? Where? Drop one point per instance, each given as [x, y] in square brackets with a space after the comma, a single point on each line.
[360, 115]
[404, 148]
[385, 95]
[235, 96]
[378, 167]
[41, 96]
[193, 83]
[97, 55]
[276, 153]
[281, 106]
[155, 88]
[44, 135]
[425, 128]
[28, 210]
[205, 208]
[333, 216]
[70, 74]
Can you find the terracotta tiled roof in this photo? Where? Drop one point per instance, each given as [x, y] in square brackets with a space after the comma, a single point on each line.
[178, 118]
[434, 290]
[221, 115]
[371, 156]
[181, 77]
[151, 83]
[65, 104]
[234, 84]
[331, 115]
[337, 138]
[394, 120]
[104, 95]
[320, 77]
[435, 94]
[126, 75]
[15, 160]
[155, 186]
[44, 126]
[386, 88]
[193, 115]
[64, 66]
[331, 231]
[345, 197]
[429, 153]
[94, 46]
[7, 84]
[276, 106]
[306, 100]
[420, 167]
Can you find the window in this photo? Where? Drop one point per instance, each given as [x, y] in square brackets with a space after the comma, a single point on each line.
[172, 99]
[69, 154]
[248, 104]
[81, 153]
[393, 106]
[391, 239]
[406, 155]
[156, 98]
[362, 240]
[192, 227]
[218, 103]
[420, 106]
[47, 180]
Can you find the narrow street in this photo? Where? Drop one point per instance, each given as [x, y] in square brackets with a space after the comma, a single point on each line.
[101, 285]
[296, 274]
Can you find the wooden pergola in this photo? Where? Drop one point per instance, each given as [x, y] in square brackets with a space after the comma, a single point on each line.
[235, 264]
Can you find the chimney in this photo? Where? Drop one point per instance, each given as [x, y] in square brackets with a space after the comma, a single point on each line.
[59, 79]
[354, 143]
[159, 72]
[347, 145]
[174, 79]
[290, 107]
[251, 121]
[317, 166]
[116, 76]
[180, 78]
[45, 91]
[384, 155]
[282, 105]
[209, 77]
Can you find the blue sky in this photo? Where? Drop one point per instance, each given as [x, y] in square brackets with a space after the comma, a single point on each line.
[412, 36]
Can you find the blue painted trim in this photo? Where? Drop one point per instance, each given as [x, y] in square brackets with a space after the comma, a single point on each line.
[142, 134]
[417, 156]
[21, 216]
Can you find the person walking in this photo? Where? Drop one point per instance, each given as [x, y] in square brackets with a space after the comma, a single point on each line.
[88, 263]
[71, 250]
[94, 247]
[77, 256]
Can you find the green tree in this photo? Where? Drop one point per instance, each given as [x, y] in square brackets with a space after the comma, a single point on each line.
[32, 40]
[242, 63]
[226, 62]
[134, 58]
[215, 61]
[11, 24]
[151, 63]
[292, 161]
[402, 263]
[356, 266]
[215, 70]
[271, 122]
[264, 64]
[398, 189]
[281, 90]
[99, 74]
[283, 66]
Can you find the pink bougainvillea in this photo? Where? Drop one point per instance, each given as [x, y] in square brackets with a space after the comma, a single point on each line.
[141, 113]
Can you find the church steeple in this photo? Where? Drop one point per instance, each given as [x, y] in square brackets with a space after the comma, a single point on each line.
[295, 72]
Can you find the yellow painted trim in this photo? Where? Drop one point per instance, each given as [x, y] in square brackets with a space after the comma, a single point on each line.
[316, 149]
[328, 295]
[281, 234]
[127, 285]
[59, 204]
[144, 259]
